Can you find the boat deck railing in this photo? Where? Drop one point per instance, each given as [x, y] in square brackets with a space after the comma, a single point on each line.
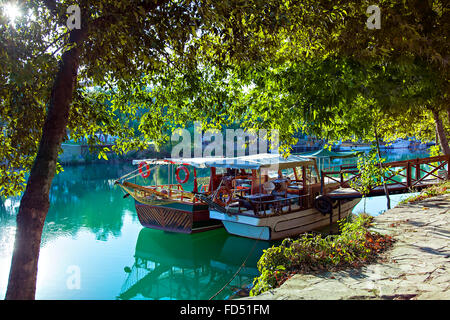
[170, 191]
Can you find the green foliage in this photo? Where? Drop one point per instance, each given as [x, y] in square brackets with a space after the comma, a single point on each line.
[370, 173]
[435, 151]
[354, 246]
[149, 67]
[143, 70]
[433, 191]
[340, 82]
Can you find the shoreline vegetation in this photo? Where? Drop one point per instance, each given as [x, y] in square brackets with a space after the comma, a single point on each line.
[355, 246]
[433, 191]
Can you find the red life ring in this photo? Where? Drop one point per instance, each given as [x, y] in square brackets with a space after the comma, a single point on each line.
[147, 170]
[177, 174]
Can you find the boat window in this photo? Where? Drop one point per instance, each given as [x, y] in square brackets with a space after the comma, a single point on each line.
[273, 174]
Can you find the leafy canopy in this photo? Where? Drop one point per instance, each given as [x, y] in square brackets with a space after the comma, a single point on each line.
[130, 49]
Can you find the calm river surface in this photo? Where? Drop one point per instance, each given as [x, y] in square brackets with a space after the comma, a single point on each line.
[93, 246]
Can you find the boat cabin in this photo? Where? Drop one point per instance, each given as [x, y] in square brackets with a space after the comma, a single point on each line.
[262, 184]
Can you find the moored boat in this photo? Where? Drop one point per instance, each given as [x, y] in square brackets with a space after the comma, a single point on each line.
[281, 200]
[354, 146]
[168, 206]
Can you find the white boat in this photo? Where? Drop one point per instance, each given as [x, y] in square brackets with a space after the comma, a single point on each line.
[290, 224]
[281, 200]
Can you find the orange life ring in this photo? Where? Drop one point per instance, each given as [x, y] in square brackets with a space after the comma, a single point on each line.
[147, 170]
[177, 174]
[223, 191]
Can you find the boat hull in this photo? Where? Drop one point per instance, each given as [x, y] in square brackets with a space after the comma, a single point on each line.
[281, 226]
[176, 217]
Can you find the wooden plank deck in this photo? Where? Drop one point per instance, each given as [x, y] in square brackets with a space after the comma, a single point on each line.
[349, 193]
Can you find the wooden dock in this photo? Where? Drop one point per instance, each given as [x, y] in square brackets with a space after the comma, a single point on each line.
[402, 177]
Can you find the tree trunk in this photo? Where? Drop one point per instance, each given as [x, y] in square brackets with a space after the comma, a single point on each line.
[440, 131]
[35, 202]
[386, 191]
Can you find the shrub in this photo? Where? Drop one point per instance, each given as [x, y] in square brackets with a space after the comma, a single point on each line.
[354, 246]
[432, 191]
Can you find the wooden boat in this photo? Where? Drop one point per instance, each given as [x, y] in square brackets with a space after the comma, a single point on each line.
[168, 206]
[280, 198]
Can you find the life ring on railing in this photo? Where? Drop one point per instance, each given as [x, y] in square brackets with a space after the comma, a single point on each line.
[323, 204]
[177, 174]
[147, 170]
[223, 197]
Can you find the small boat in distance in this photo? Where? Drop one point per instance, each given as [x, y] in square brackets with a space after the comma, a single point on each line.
[353, 146]
[359, 146]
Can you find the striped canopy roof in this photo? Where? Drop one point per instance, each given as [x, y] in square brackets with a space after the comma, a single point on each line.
[257, 161]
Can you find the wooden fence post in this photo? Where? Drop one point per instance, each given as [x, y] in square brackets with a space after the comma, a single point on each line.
[408, 174]
[304, 182]
[322, 182]
[417, 170]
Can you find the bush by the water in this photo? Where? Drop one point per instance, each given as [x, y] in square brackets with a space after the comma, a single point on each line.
[353, 247]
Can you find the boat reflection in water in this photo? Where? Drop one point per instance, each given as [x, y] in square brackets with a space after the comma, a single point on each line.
[190, 266]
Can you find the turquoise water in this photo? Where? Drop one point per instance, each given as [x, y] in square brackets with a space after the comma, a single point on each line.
[92, 233]
[93, 246]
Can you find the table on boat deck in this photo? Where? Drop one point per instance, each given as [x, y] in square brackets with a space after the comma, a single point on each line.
[258, 197]
[255, 198]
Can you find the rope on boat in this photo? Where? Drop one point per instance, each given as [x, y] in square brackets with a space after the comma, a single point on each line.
[240, 268]
[126, 175]
[208, 200]
[138, 174]
[145, 199]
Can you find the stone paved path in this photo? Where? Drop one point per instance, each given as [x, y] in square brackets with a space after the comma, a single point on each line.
[416, 267]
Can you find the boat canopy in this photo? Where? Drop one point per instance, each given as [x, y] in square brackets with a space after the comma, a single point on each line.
[257, 161]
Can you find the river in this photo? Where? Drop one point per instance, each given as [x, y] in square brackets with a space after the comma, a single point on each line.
[93, 246]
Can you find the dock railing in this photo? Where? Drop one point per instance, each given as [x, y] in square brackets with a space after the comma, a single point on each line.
[405, 174]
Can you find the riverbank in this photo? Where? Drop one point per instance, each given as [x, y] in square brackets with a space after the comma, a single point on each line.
[416, 266]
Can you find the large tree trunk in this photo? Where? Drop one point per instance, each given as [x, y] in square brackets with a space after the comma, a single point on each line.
[440, 131]
[35, 201]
